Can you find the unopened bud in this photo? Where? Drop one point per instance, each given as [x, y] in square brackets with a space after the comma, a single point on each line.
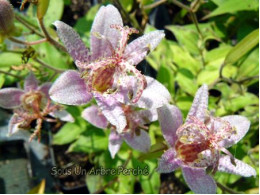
[6, 17]
[42, 8]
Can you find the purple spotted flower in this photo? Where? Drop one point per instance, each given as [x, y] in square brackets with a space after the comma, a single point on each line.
[32, 103]
[133, 118]
[195, 146]
[102, 73]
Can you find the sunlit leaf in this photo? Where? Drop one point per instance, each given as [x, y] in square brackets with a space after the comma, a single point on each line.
[243, 47]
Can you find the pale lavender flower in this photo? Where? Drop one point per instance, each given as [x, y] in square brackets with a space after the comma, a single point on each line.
[32, 103]
[195, 145]
[103, 72]
[133, 117]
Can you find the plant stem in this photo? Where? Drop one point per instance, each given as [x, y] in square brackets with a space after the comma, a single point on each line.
[48, 66]
[49, 38]
[226, 189]
[10, 74]
[28, 25]
[155, 4]
[27, 43]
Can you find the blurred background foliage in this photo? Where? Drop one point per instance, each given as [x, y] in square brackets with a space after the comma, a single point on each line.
[207, 41]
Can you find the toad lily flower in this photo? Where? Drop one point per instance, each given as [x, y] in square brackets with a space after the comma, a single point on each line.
[196, 144]
[133, 117]
[110, 61]
[32, 103]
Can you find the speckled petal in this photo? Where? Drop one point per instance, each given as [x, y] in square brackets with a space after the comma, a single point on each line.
[100, 47]
[241, 125]
[137, 50]
[140, 142]
[10, 97]
[155, 95]
[44, 88]
[112, 110]
[74, 45]
[198, 181]
[168, 162]
[241, 168]
[94, 116]
[200, 104]
[13, 125]
[30, 82]
[170, 120]
[63, 115]
[70, 89]
[115, 141]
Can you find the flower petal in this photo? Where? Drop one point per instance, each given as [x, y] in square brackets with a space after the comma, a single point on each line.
[101, 47]
[30, 82]
[198, 181]
[168, 163]
[241, 168]
[241, 125]
[137, 50]
[140, 142]
[115, 141]
[112, 110]
[71, 39]
[200, 104]
[155, 95]
[10, 97]
[63, 115]
[170, 120]
[45, 89]
[13, 124]
[94, 116]
[70, 89]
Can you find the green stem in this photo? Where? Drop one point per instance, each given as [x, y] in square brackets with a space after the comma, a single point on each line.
[48, 66]
[10, 74]
[49, 38]
[226, 189]
[28, 25]
[155, 4]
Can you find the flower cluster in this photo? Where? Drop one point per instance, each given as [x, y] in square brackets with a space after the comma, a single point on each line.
[31, 104]
[195, 146]
[108, 74]
[127, 101]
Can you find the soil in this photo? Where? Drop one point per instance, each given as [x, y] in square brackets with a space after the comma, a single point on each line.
[71, 169]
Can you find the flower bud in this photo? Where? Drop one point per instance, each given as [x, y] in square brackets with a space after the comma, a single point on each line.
[42, 8]
[6, 17]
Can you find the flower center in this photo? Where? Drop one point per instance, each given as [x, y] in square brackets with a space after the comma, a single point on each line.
[33, 101]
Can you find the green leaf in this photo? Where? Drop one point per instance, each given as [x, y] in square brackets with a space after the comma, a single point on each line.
[239, 102]
[165, 76]
[232, 6]
[93, 140]
[183, 59]
[94, 182]
[250, 66]
[186, 38]
[8, 59]
[186, 81]
[67, 134]
[151, 183]
[2, 80]
[54, 12]
[83, 25]
[243, 47]
[52, 56]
